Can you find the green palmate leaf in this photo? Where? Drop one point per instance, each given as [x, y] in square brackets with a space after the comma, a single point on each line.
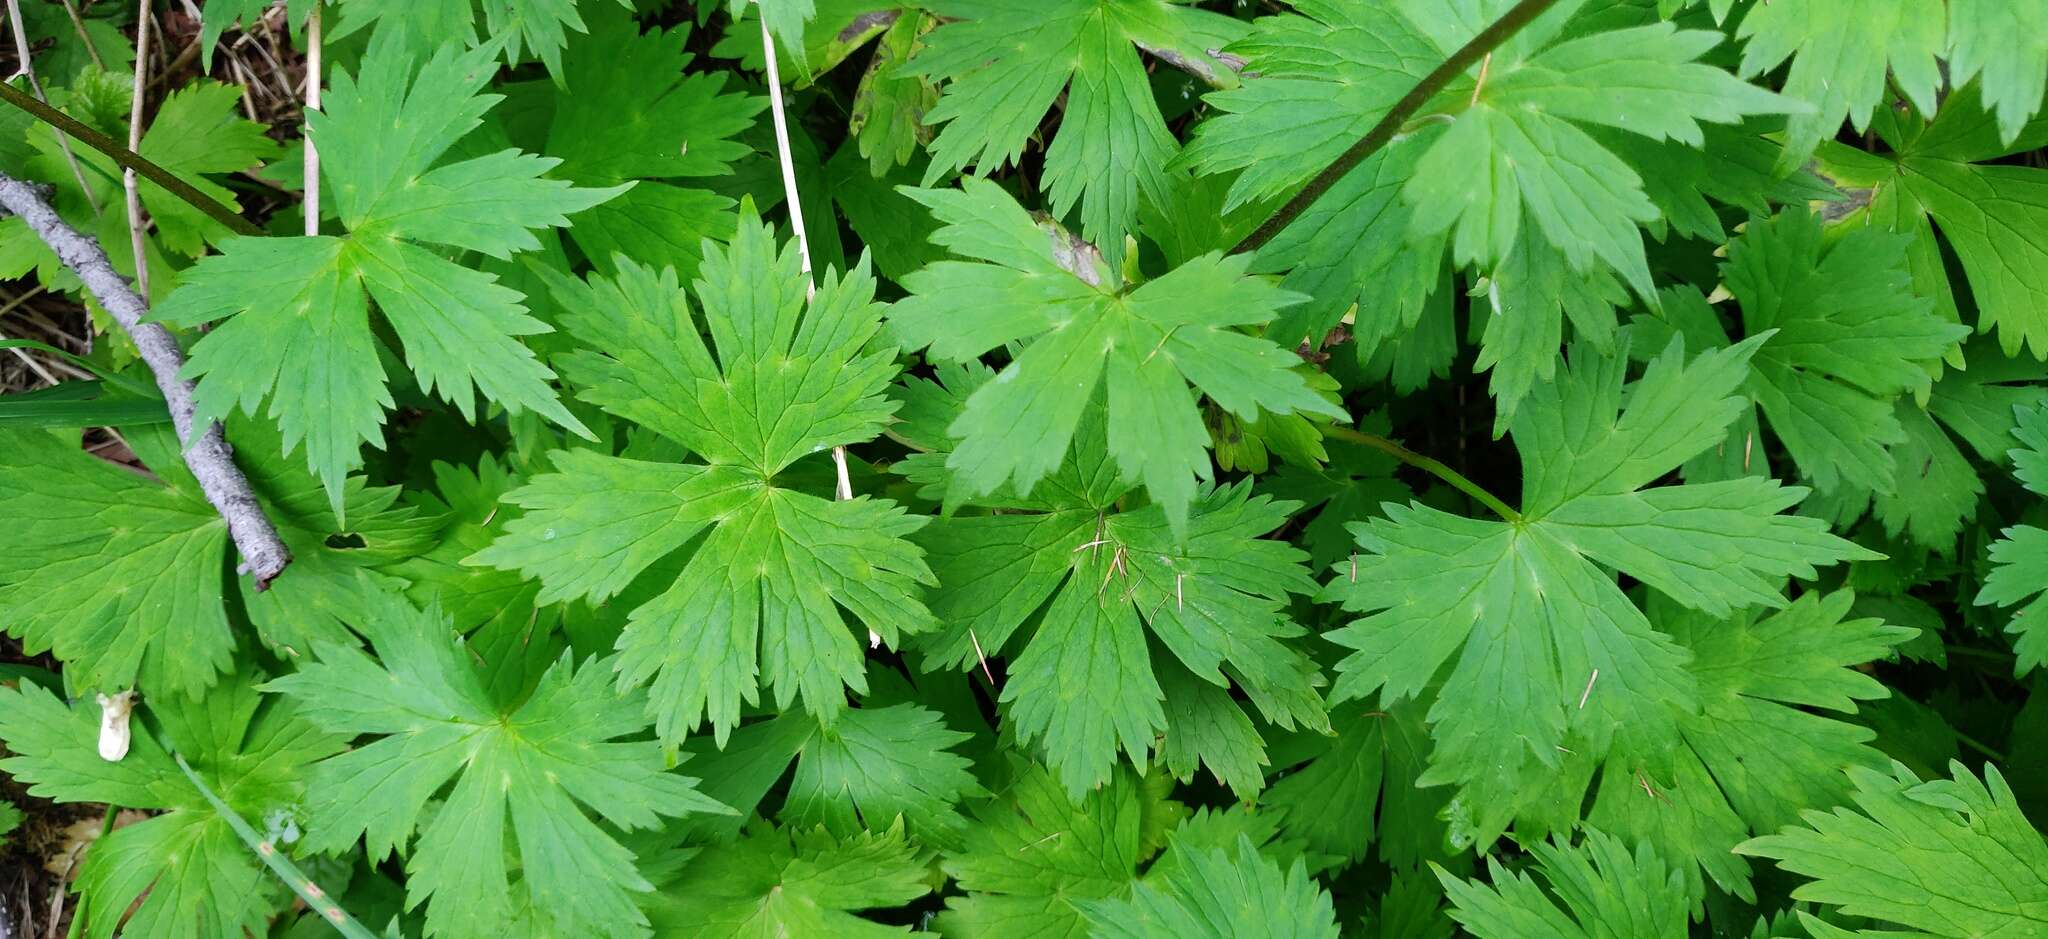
[1605, 892]
[1006, 61]
[422, 26]
[1371, 763]
[1516, 146]
[791, 882]
[1750, 760]
[92, 48]
[1151, 347]
[1845, 52]
[1136, 624]
[1221, 894]
[2019, 573]
[1527, 300]
[466, 507]
[1994, 217]
[866, 771]
[335, 564]
[539, 766]
[183, 873]
[1849, 336]
[877, 766]
[613, 125]
[1552, 141]
[123, 578]
[895, 228]
[197, 135]
[760, 600]
[1554, 656]
[198, 132]
[292, 314]
[1733, 165]
[1034, 855]
[1850, 333]
[161, 548]
[2000, 44]
[1950, 857]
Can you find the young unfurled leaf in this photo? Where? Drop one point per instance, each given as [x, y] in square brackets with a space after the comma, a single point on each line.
[292, 314]
[1549, 655]
[1151, 347]
[530, 773]
[760, 600]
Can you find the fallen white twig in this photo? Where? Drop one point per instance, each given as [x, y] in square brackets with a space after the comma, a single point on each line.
[129, 189]
[264, 554]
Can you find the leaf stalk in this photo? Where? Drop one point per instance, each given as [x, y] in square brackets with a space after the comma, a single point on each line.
[1433, 467]
[128, 159]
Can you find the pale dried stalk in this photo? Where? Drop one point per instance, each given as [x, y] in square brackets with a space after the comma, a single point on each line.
[78, 26]
[206, 452]
[312, 205]
[844, 490]
[130, 190]
[28, 67]
[115, 734]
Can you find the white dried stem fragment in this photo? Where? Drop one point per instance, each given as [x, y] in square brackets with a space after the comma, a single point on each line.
[114, 713]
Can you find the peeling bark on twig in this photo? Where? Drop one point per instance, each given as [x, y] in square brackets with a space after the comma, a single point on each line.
[264, 555]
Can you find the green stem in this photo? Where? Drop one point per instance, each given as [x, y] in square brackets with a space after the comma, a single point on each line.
[1977, 745]
[129, 159]
[1427, 465]
[1383, 132]
[315, 898]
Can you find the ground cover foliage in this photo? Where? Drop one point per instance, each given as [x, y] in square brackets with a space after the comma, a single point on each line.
[1394, 468]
